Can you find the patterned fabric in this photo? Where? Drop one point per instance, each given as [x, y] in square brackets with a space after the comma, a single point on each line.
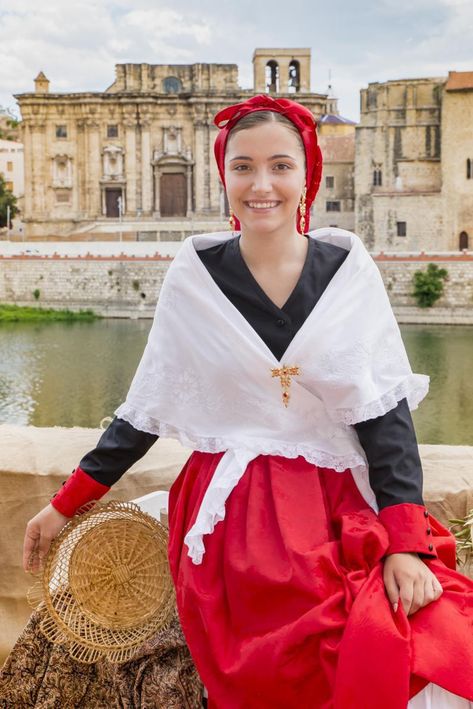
[41, 675]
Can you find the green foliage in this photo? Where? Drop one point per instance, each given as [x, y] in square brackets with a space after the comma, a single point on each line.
[16, 313]
[428, 285]
[7, 198]
[9, 124]
[36, 293]
[136, 285]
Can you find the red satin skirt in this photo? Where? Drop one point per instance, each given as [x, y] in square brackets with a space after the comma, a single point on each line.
[288, 608]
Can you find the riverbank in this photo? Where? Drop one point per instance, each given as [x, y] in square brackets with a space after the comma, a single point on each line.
[18, 313]
[125, 281]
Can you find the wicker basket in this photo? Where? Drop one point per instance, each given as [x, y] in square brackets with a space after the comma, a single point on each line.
[106, 583]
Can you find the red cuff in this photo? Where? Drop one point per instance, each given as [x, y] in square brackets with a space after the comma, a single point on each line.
[77, 491]
[409, 529]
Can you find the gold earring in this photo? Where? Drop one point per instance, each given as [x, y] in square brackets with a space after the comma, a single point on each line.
[302, 209]
[231, 219]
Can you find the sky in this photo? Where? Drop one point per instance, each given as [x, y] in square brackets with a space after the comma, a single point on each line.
[77, 44]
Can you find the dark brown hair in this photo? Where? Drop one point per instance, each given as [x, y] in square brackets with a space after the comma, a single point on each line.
[256, 118]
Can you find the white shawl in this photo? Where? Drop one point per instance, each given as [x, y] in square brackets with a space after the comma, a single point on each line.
[206, 377]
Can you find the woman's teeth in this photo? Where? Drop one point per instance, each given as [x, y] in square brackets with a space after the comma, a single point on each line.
[262, 205]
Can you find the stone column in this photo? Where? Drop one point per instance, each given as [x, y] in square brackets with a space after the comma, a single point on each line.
[40, 169]
[129, 121]
[92, 170]
[189, 190]
[157, 205]
[79, 199]
[201, 166]
[283, 74]
[28, 162]
[146, 167]
[208, 160]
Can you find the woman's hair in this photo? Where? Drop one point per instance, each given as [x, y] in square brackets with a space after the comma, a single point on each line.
[257, 117]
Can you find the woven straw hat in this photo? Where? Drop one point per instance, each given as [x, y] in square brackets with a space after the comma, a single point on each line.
[106, 583]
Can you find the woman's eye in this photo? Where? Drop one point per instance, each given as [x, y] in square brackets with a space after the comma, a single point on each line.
[282, 166]
[240, 168]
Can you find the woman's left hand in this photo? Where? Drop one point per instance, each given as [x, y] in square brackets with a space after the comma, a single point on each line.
[409, 580]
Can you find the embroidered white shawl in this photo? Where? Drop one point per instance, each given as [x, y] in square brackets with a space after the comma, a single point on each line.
[205, 377]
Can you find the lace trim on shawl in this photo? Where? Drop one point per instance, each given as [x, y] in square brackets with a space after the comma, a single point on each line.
[414, 388]
[260, 446]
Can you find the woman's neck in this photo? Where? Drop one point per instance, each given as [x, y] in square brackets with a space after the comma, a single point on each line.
[272, 249]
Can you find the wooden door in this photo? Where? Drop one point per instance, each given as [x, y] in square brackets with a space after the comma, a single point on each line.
[111, 202]
[463, 240]
[173, 195]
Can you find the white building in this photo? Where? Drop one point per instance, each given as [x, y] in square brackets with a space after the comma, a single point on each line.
[12, 166]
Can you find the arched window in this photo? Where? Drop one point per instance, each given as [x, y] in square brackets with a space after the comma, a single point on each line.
[172, 85]
[294, 77]
[377, 178]
[272, 77]
[469, 173]
[463, 241]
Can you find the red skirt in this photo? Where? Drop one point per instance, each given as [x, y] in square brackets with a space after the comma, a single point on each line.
[288, 608]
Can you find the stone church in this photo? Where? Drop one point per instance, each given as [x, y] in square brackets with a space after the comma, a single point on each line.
[414, 164]
[138, 157]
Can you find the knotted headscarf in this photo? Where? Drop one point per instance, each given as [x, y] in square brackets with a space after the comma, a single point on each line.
[305, 123]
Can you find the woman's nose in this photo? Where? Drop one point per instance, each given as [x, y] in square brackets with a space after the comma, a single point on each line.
[262, 182]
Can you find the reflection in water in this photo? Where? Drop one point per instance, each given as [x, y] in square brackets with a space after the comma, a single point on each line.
[71, 374]
[444, 352]
[74, 374]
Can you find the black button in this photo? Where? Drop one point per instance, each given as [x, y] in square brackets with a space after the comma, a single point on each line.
[426, 514]
[280, 322]
[429, 531]
[431, 546]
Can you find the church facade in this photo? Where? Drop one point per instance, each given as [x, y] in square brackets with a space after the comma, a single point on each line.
[138, 157]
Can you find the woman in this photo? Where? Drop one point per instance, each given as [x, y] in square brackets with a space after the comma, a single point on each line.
[307, 569]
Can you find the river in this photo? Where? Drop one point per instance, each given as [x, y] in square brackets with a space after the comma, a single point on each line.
[75, 374]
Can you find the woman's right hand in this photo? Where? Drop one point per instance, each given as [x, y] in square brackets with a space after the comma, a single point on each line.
[40, 531]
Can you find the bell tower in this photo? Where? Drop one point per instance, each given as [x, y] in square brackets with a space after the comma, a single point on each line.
[281, 71]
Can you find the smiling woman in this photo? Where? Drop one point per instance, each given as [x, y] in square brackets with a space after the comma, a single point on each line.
[308, 571]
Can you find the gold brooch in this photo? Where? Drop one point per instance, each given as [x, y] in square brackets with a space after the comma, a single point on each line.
[285, 373]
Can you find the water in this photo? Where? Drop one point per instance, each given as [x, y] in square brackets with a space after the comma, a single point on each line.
[75, 374]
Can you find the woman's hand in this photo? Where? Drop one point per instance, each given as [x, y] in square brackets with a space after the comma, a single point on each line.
[40, 531]
[409, 580]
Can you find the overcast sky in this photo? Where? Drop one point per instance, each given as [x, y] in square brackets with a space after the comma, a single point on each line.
[77, 43]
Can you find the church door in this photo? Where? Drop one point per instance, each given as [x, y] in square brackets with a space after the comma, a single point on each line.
[173, 195]
[111, 202]
[463, 240]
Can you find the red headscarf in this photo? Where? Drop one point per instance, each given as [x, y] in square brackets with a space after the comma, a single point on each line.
[305, 123]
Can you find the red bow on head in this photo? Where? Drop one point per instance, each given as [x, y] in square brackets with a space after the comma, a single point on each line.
[302, 118]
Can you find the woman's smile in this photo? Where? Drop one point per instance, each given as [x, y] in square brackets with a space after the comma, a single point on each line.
[262, 206]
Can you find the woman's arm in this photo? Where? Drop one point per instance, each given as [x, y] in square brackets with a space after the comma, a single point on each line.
[119, 447]
[395, 473]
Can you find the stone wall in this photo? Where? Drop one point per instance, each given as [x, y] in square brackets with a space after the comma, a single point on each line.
[114, 287]
[128, 286]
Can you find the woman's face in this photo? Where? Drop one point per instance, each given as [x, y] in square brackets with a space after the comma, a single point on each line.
[265, 176]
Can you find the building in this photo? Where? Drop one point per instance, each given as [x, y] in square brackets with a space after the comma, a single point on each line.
[335, 203]
[139, 156]
[11, 166]
[414, 164]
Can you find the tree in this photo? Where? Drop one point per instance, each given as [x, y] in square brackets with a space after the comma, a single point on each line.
[9, 124]
[7, 199]
[428, 285]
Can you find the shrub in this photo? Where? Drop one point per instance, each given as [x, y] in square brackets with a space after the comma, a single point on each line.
[36, 293]
[428, 285]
